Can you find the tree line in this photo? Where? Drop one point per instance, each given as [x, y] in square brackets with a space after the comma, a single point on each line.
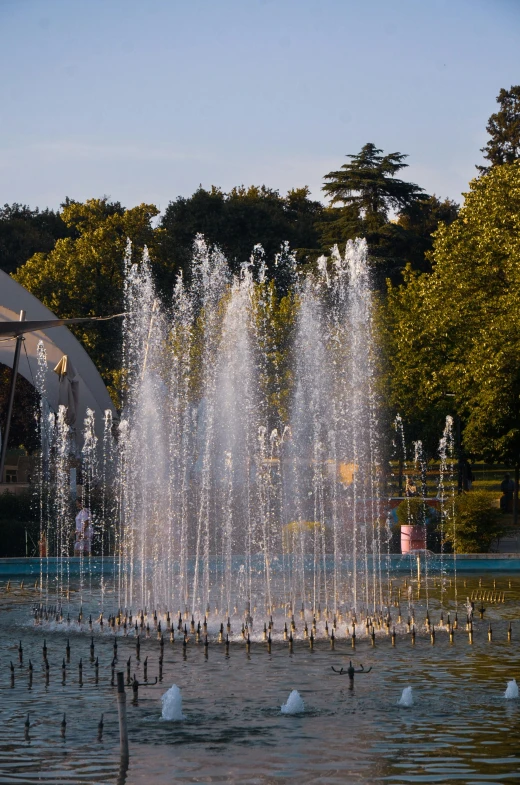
[447, 277]
[452, 336]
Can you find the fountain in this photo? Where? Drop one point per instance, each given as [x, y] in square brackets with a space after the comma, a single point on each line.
[511, 692]
[232, 482]
[294, 705]
[172, 705]
[406, 700]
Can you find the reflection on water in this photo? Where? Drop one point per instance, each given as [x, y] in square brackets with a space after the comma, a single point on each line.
[460, 728]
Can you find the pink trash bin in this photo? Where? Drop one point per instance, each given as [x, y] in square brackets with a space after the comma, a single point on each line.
[413, 538]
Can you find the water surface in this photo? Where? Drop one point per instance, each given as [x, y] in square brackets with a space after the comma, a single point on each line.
[460, 728]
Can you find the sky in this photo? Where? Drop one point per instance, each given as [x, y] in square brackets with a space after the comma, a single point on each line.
[145, 100]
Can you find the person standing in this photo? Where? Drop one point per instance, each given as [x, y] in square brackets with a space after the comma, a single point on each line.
[507, 487]
[411, 487]
[84, 531]
[469, 476]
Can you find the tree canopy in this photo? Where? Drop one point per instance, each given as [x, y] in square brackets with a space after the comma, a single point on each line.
[417, 222]
[24, 232]
[23, 431]
[76, 266]
[503, 127]
[455, 334]
[83, 275]
[396, 217]
[236, 222]
[368, 185]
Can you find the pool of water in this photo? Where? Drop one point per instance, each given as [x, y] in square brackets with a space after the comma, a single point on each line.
[460, 729]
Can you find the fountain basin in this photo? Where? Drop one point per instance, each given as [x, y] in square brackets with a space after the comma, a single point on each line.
[234, 729]
[398, 563]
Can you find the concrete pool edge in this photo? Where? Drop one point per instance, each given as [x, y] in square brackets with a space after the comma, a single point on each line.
[466, 563]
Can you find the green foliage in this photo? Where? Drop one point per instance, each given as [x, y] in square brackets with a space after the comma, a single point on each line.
[24, 232]
[504, 129]
[18, 514]
[474, 524]
[452, 337]
[369, 192]
[419, 220]
[407, 356]
[275, 318]
[368, 185]
[83, 276]
[236, 222]
[23, 431]
[413, 512]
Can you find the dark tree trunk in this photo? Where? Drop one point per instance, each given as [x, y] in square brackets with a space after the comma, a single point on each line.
[462, 482]
[515, 495]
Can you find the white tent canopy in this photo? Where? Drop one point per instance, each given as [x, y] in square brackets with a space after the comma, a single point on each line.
[58, 341]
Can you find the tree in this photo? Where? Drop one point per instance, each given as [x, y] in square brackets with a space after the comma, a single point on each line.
[369, 185]
[453, 336]
[18, 518]
[23, 431]
[236, 222]
[24, 232]
[83, 276]
[504, 129]
[368, 191]
[408, 354]
[275, 321]
[474, 523]
[420, 219]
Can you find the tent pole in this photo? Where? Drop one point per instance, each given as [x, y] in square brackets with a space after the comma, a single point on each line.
[10, 403]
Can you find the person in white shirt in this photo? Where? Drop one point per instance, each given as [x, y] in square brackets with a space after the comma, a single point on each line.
[84, 531]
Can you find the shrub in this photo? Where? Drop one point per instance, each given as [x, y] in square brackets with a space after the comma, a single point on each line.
[476, 522]
[412, 511]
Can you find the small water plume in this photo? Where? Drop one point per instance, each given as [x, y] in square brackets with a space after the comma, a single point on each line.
[44, 428]
[446, 495]
[511, 692]
[108, 506]
[172, 705]
[294, 705]
[62, 502]
[406, 698]
[90, 480]
[400, 455]
[421, 465]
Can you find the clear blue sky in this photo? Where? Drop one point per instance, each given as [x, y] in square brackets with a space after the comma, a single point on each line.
[142, 100]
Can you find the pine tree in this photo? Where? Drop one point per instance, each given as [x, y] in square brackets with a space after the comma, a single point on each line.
[504, 129]
[368, 185]
[368, 192]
